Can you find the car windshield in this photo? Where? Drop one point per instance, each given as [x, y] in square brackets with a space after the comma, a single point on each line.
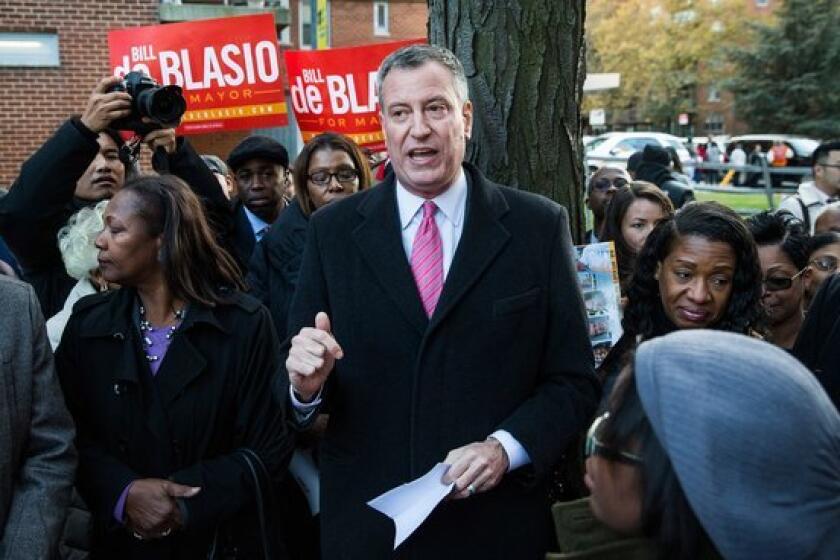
[597, 141]
[676, 145]
[803, 146]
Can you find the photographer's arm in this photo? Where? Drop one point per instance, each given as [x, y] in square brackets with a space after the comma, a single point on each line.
[33, 211]
[180, 159]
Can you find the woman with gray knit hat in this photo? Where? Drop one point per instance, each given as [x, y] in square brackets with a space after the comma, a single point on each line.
[716, 443]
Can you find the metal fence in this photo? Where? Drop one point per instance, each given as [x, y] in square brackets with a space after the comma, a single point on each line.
[764, 171]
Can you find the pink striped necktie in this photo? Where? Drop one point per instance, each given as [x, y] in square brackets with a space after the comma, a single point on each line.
[427, 259]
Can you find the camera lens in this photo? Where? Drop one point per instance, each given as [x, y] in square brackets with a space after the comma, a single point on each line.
[163, 105]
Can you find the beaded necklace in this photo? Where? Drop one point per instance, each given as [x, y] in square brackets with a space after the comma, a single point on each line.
[146, 328]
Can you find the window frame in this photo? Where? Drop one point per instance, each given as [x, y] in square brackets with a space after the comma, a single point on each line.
[48, 42]
[384, 30]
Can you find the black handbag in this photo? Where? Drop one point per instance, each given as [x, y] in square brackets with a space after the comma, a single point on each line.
[224, 546]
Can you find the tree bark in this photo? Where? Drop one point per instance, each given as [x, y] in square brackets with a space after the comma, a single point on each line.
[525, 63]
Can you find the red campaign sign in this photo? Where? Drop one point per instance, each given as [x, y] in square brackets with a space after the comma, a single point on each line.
[229, 69]
[335, 90]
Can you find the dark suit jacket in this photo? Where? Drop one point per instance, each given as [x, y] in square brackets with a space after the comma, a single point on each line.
[275, 263]
[818, 343]
[507, 348]
[243, 241]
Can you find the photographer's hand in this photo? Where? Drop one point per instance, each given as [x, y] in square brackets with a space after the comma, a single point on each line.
[164, 138]
[103, 108]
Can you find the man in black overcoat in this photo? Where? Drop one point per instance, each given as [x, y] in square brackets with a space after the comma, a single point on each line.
[446, 332]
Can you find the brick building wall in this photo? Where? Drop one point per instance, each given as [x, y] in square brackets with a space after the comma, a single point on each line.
[352, 22]
[35, 101]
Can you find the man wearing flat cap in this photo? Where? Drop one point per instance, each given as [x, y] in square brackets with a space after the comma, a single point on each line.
[260, 167]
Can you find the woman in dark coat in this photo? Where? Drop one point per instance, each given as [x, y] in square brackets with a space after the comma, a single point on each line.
[168, 380]
[818, 345]
[330, 167]
[699, 270]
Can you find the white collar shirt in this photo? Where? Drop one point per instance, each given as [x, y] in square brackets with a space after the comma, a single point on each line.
[452, 204]
[258, 225]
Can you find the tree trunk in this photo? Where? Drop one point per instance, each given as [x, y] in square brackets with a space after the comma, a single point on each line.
[525, 63]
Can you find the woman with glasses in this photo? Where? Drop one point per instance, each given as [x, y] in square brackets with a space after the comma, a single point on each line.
[714, 445]
[602, 186]
[783, 253]
[329, 168]
[699, 270]
[169, 380]
[823, 257]
[633, 212]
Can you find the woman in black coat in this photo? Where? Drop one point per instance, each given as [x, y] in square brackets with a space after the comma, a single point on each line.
[168, 381]
[699, 270]
[330, 167]
[818, 345]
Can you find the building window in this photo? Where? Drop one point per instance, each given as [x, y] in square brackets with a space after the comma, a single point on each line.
[380, 19]
[305, 24]
[285, 36]
[714, 94]
[714, 124]
[29, 49]
[762, 3]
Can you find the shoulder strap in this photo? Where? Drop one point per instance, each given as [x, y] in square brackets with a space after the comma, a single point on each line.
[806, 214]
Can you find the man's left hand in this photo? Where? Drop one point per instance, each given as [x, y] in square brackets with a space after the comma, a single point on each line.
[477, 467]
[164, 138]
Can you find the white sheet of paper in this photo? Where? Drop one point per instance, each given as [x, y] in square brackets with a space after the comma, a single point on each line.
[411, 503]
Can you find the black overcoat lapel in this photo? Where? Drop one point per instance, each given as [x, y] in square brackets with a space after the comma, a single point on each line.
[380, 243]
[482, 240]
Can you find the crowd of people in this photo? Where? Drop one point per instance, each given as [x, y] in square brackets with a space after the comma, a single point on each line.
[225, 339]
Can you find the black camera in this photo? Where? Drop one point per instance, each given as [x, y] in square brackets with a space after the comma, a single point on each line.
[163, 106]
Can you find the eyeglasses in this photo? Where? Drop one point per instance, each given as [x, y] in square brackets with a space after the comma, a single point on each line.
[264, 176]
[345, 176]
[779, 283]
[826, 263]
[594, 447]
[604, 183]
[835, 165]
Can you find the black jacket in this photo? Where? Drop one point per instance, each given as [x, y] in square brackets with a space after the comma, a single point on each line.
[507, 348]
[818, 343]
[41, 200]
[243, 240]
[274, 267]
[679, 193]
[210, 397]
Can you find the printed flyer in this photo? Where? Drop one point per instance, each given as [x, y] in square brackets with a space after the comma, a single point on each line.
[597, 272]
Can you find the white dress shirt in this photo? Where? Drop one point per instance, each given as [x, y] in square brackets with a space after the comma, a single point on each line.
[812, 197]
[452, 205]
[258, 225]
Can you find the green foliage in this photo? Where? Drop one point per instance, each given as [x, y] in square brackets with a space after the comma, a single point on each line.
[663, 49]
[788, 81]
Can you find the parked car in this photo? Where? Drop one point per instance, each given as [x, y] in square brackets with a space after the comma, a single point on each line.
[615, 148]
[801, 149]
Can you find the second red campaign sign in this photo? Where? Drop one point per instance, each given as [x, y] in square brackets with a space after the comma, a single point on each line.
[335, 90]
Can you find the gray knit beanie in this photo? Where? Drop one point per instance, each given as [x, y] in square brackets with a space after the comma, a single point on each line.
[753, 439]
